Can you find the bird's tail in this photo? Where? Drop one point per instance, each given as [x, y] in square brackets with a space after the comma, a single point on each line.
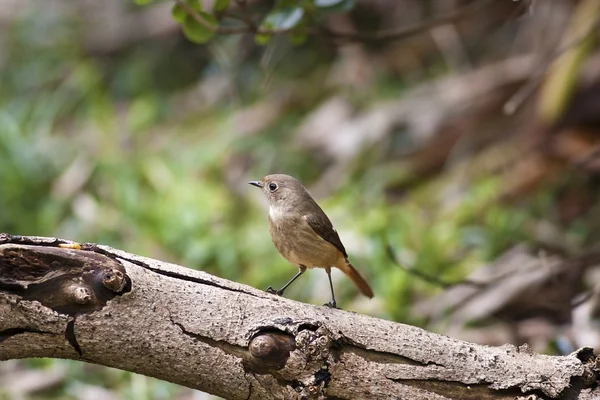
[358, 280]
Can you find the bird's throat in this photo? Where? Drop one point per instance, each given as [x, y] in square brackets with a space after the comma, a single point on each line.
[277, 213]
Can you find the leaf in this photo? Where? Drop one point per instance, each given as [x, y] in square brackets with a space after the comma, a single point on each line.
[327, 3]
[142, 2]
[281, 19]
[195, 5]
[197, 32]
[329, 6]
[262, 38]
[298, 38]
[178, 12]
[284, 18]
[220, 5]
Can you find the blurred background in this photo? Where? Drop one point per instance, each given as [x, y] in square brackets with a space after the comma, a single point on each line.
[453, 143]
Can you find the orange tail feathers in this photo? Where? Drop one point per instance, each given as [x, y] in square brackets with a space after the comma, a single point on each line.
[358, 280]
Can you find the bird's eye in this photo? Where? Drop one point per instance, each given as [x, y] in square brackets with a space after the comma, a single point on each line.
[272, 187]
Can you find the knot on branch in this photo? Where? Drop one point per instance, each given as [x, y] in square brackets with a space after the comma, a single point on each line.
[64, 279]
[269, 351]
[114, 280]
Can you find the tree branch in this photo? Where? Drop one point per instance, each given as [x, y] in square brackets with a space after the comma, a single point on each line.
[109, 307]
[410, 30]
[384, 35]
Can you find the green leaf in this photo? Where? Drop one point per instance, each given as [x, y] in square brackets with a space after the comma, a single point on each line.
[298, 38]
[178, 13]
[197, 32]
[142, 2]
[195, 4]
[335, 5]
[284, 18]
[262, 39]
[220, 5]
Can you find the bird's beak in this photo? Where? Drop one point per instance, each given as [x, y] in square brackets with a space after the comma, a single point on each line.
[256, 183]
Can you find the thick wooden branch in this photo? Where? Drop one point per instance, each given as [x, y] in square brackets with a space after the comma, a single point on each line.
[105, 306]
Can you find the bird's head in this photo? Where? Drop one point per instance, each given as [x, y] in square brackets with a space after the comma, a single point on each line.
[282, 191]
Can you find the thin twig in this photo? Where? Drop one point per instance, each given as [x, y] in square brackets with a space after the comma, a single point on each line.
[404, 32]
[430, 278]
[538, 75]
[244, 17]
[190, 11]
[583, 298]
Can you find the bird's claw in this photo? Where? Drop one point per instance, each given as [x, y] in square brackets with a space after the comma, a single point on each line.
[273, 291]
[331, 304]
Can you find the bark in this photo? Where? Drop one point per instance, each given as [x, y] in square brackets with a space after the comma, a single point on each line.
[105, 306]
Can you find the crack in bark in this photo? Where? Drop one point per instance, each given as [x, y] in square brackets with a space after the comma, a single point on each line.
[372, 355]
[10, 332]
[478, 391]
[196, 280]
[250, 385]
[71, 338]
[235, 350]
[344, 343]
[227, 347]
[6, 238]
[95, 248]
[17, 239]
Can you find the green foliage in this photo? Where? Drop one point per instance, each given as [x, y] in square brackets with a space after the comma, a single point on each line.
[286, 16]
[221, 5]
[200, 32]
[262, 38]
[178, 12]
[198, 26]
[282, 18]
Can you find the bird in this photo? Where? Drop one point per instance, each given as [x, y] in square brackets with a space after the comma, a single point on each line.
[303, 234]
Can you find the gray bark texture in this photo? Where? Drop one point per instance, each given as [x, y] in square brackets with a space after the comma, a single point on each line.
[105, 306]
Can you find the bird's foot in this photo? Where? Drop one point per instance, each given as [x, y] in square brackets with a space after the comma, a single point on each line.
[273, 291]
[332, 304]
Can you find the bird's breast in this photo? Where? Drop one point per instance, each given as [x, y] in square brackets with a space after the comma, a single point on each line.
[298, 243]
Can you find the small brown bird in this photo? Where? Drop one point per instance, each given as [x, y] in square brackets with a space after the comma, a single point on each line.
[303, 234]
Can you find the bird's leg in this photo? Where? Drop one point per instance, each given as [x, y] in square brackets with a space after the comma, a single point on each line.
[332, 303]
[301, 269]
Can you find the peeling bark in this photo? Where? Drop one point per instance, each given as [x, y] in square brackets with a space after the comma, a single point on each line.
[104, 306]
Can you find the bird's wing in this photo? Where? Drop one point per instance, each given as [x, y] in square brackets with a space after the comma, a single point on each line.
[325, 230]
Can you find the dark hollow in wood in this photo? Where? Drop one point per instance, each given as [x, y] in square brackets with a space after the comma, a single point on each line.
[68, 281]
